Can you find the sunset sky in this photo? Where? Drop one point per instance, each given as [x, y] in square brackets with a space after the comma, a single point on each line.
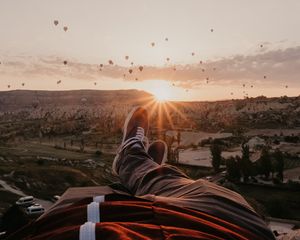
[247, 48]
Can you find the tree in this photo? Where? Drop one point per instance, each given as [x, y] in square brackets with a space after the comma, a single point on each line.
[233, 171]
[279, 167]
[266, 165]
[216, 151]
[245, 163]
[178, 137]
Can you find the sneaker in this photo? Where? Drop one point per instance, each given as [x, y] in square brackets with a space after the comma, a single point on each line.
[134, 131]
[158, 150]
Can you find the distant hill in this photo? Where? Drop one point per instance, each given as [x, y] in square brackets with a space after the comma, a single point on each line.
[24, 113]
[20, 99]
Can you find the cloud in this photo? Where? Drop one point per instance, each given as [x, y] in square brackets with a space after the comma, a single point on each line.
[278, 66]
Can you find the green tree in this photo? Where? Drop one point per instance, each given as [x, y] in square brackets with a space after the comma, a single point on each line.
[245, 163]
[266, 165]
[279, 166]
[233, 171]
[216, 151]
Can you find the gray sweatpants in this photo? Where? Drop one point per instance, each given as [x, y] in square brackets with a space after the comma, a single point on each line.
[146, 179]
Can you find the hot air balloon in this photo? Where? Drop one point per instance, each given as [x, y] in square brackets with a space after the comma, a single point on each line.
[173, 84]
[231, 93]
[131, 63]
[153, 44]
[55, 22]
[130, 71]
[126, 57]
[65, 62]
[166, 39]
[244, 85]
[207, 78]
[286, 86]
[203, 70]
[101, 65]
[265, 77]
[110, 62]
[261, 45]
[251, 86]
[23, 84]
[95, 83]
[136, 79]
[193, 54]
[168, 59]
[211, 30]
[65, 28]
[8, 86]
[141, 68]
[58, 82]
[200, 62]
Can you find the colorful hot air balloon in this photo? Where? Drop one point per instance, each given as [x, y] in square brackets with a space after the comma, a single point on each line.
[65, 28]
[110, 62]
[211, 30]
[130, 71]
[168, 59]
[55, 22]
[65, 62]
[193, 54]
[265, 77]
[166, 39]
[126, 57]
[23, 84]
[141, 68]
[153, 44]
[101, 65]
[131, 63]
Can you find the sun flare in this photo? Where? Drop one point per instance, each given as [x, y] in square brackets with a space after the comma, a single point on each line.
[161, 95]
[160, 89]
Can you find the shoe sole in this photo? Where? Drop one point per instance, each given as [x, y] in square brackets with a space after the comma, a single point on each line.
[124, 135]
[165, 157]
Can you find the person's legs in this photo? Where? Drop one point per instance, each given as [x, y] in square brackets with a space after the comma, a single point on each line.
[144, 176]
[141, 175]
[135, 167]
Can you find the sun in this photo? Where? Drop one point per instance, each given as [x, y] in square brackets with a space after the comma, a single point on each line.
[161, 94]
[160, 89]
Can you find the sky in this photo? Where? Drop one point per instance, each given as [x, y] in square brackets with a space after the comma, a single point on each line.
[203, 49]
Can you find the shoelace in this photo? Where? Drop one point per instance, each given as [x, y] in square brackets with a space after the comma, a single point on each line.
[139, 137]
